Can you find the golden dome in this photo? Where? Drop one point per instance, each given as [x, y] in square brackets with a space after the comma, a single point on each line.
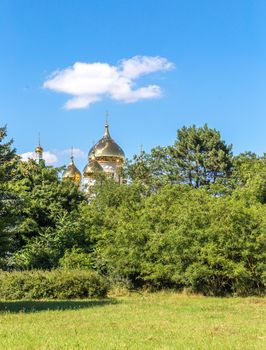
[107, 148]
[39, 149]
[93, 167]
[72, 172]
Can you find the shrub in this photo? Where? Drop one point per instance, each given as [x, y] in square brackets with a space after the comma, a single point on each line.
[55, 284]
[76, 258]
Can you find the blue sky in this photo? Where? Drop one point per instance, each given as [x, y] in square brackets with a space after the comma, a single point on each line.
[218, 49]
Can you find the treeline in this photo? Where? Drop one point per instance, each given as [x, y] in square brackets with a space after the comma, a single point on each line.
[191, 215]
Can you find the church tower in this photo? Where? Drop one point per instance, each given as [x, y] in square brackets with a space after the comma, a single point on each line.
[72, 173]
[91, 171]
[39, 153]
[105, 156]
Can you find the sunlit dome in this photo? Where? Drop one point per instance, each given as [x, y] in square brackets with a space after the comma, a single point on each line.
[107, 147]
[72, 172]
[38, 149]
[92, 168]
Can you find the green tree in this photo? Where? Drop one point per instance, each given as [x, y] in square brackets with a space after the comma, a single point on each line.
[138, 169]
[180, 237]
[8, 161]
[201, 155]
[109, 220]
[214, 245]
[248, 178]
[45, 250]
[198, 157]
[46, 211]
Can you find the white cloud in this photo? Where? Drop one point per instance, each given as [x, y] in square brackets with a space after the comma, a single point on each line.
[140, 65]
[50, 158]
[77, 153]
[91, 82]
[26, 156]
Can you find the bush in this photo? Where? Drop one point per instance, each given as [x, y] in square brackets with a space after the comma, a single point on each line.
[186, 238]
[55, 284]
[76, 258]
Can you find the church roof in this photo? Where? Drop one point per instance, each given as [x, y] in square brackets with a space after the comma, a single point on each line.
[72, 172]
[93, 167]
[107, 147]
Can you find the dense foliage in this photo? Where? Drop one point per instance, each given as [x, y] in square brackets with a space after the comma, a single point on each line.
[190, 216]
[56, 284]
[7, 199]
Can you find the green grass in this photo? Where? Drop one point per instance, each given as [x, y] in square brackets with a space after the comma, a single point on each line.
[149, 321]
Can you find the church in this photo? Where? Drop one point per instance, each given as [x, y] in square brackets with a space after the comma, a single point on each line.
[106, 156]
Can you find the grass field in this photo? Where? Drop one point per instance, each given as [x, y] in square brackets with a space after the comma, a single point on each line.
[149, 321]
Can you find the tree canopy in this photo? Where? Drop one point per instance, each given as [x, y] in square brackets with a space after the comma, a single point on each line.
[8, 201]
[191, 215]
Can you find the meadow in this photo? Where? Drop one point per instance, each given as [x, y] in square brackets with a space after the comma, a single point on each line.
[136, 321]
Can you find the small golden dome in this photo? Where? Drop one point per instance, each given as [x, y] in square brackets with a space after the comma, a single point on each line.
[107, 148]
[72, 172]
[38, 149]
[93, 167]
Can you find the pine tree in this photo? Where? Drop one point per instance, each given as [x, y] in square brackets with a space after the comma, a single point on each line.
[138, 169]
[8, 161]
[201, 155]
